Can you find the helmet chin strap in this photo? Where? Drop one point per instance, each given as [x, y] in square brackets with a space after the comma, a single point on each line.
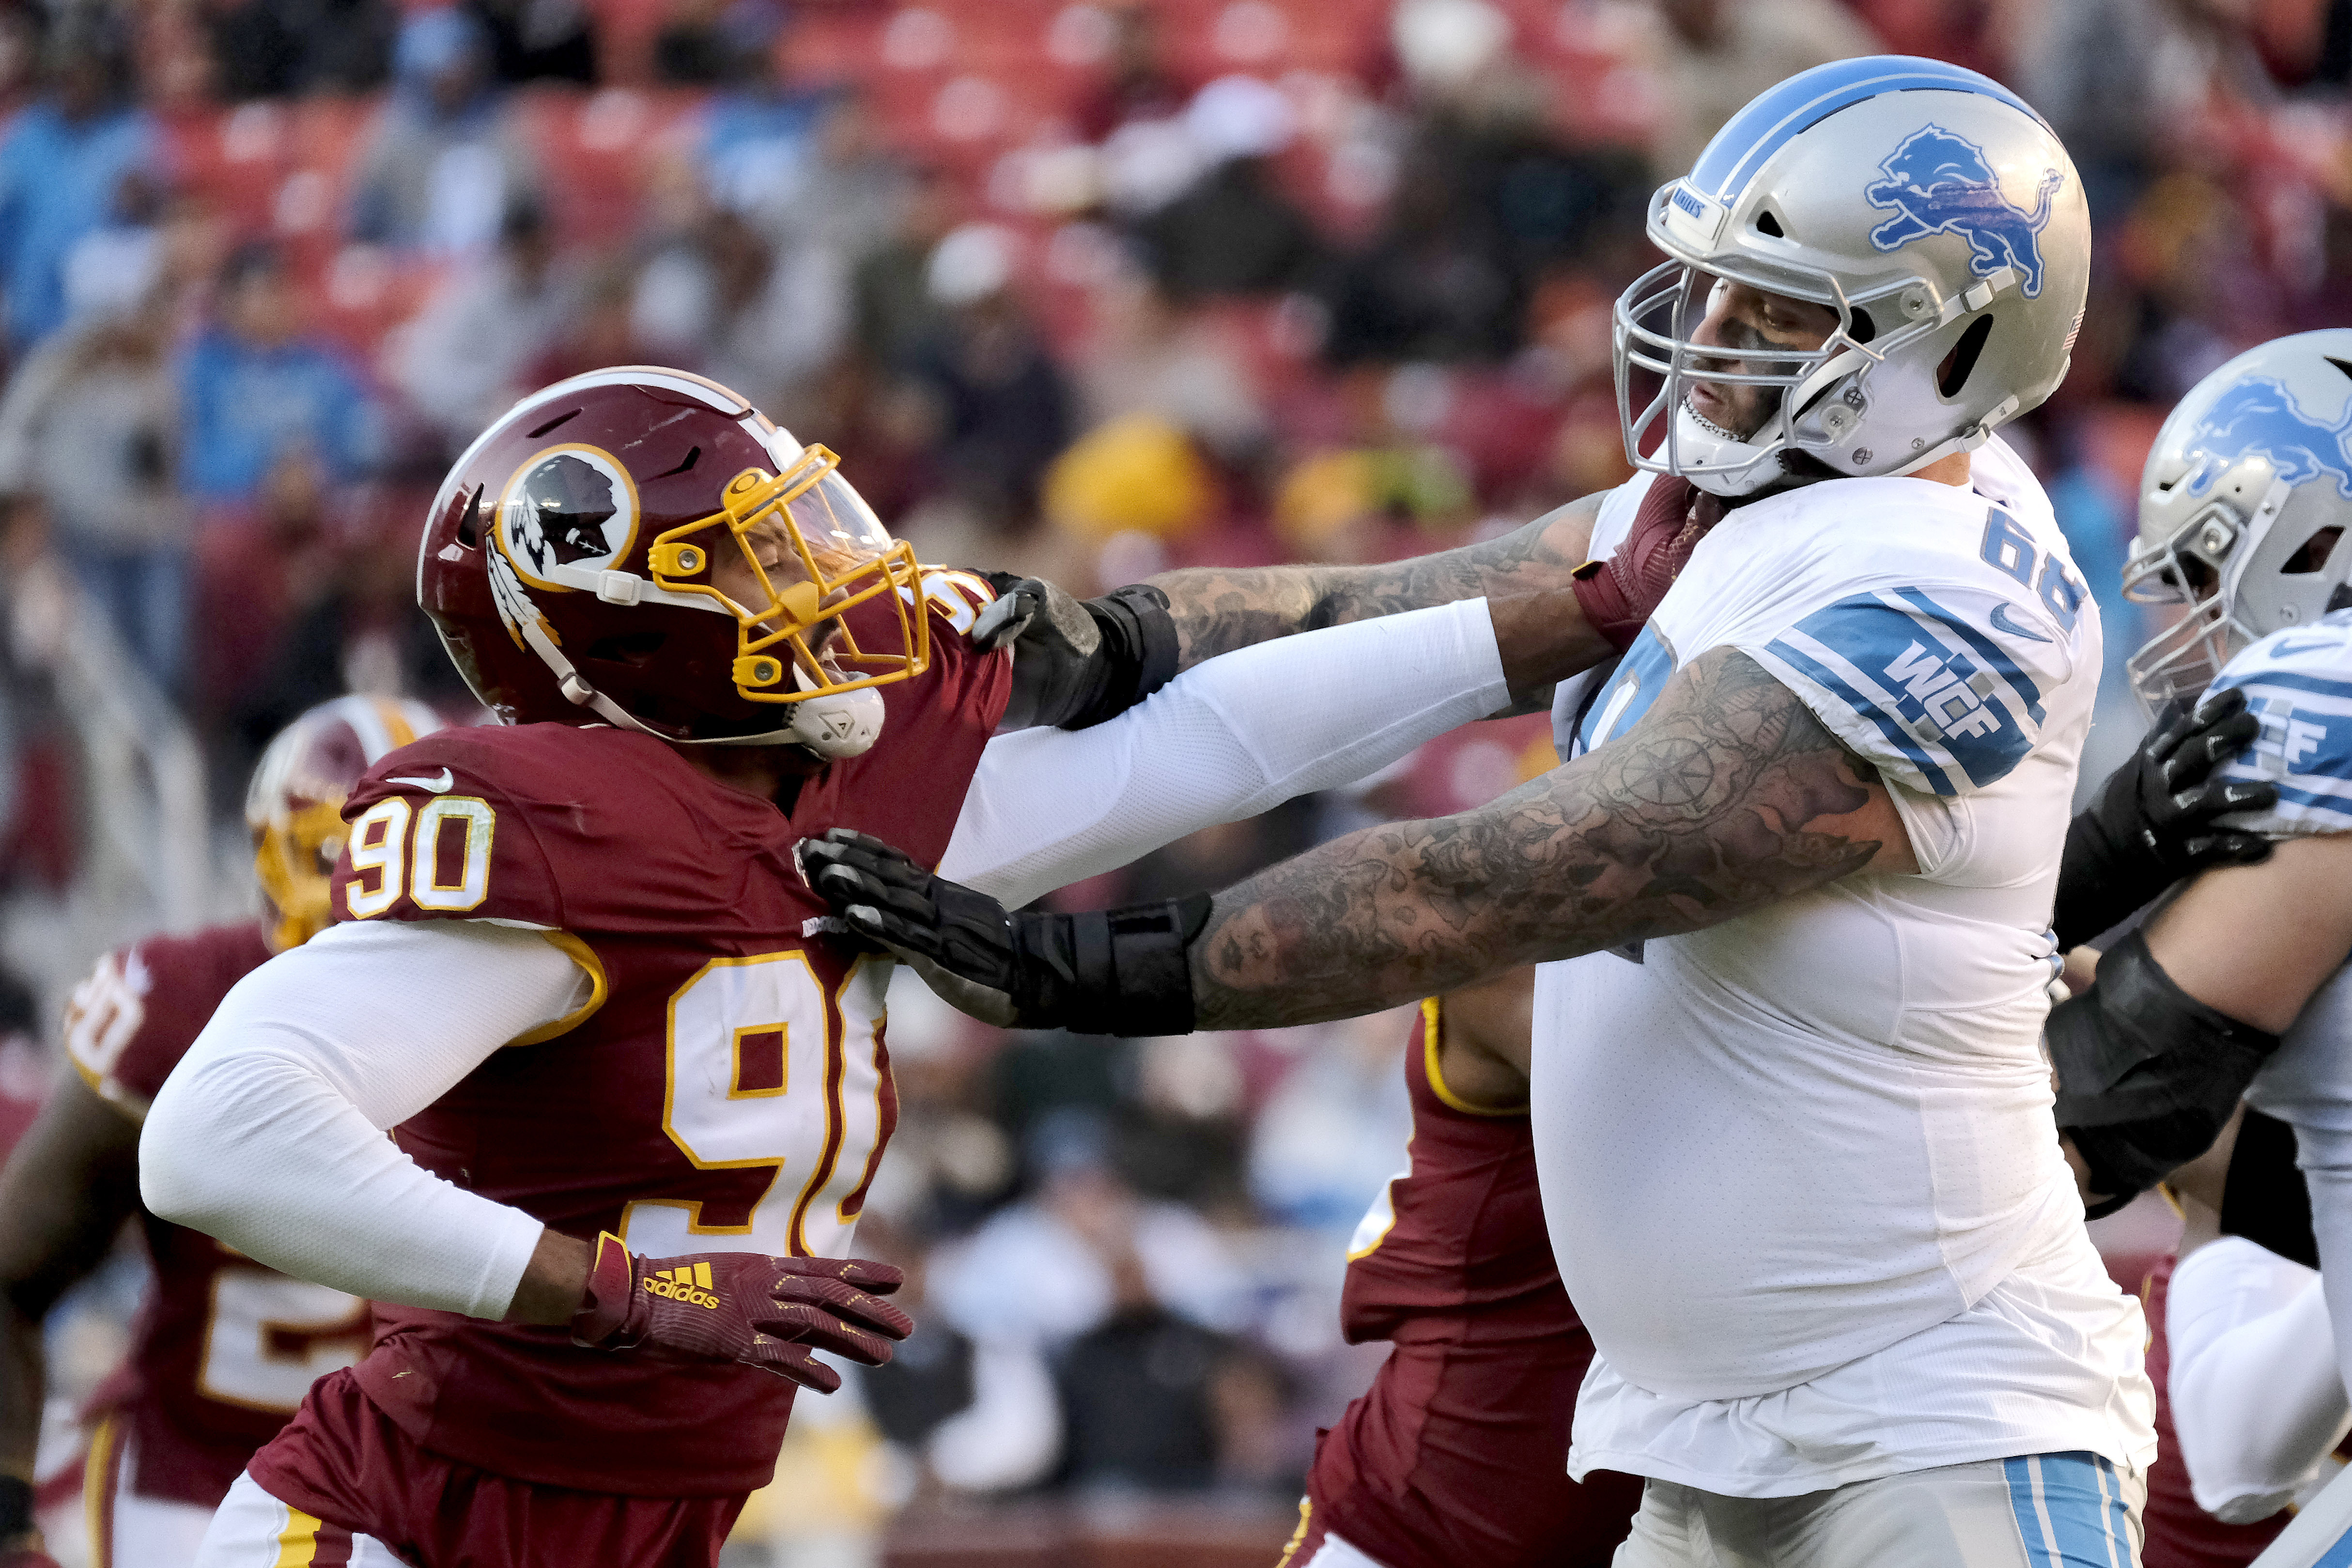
[840, 724]
[1726, 465]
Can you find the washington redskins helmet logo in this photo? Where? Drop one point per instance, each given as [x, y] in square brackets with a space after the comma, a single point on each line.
[572, 506]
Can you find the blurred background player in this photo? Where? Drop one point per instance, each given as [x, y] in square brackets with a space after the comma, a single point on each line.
[225, 1347]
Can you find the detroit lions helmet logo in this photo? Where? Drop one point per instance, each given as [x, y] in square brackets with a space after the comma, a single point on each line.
[2259, 416]
[1939, 183]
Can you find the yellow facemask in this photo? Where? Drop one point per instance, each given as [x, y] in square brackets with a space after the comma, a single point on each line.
[294, 856]
[843, 557]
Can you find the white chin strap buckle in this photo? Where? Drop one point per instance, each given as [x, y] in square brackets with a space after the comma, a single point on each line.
[1715, 461]
[840, 724]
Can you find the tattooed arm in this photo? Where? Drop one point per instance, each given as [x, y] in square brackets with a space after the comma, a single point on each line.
[1726, 796]
[1218, 610]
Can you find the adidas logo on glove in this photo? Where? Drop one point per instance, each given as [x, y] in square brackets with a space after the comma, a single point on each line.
[691, 1285]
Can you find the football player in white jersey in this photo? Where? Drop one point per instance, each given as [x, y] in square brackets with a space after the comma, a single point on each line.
[2239, 980]
[1794, 1130]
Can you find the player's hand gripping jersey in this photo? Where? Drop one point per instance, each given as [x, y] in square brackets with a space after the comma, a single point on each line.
[224, 1349]
[1452, 1266]
[726, 1087]
[1796, 1159]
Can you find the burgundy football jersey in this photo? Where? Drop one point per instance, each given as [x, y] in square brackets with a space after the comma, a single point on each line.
[2177, 1533]
[224, 1349]
[1459, 1233]
[726, 1088]
[1453, 1266]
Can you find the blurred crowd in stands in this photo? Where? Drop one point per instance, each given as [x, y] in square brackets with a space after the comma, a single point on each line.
[1079, 287]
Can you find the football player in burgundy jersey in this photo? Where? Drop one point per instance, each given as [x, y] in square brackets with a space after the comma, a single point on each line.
[1459, 1453]
[223, 1348]
[636, 1078]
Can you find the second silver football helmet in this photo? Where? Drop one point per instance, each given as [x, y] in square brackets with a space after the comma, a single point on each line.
[2242, 509]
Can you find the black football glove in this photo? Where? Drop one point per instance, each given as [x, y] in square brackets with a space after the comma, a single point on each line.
[1106, 972]
[2153, 822]
[1077, 663]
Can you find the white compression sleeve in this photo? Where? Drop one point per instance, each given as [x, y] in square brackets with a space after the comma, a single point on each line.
[269, 1134]
[1223, 740]
[2256, 1401]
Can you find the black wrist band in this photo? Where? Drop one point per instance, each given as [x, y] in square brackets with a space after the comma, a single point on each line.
[15, 1508]
[1130, 970]
[1140, 644]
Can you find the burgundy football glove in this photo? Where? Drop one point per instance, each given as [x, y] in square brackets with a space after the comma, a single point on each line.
[26, 1557]
[1618, 594]
[768, 1312]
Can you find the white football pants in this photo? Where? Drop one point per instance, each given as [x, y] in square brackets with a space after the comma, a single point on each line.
[2042, 1510]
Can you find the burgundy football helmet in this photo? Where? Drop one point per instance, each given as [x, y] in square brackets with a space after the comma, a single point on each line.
[642, 547]
[295, 804]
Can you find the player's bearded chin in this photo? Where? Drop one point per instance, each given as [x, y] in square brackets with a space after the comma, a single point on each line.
[1727, 409]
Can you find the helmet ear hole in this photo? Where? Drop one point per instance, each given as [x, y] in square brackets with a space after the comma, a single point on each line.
[1953, 374]
[1862, 329]
[469, 527]
[2313, 554]
[1766, 222]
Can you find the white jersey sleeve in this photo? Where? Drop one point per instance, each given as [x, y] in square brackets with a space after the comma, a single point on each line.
[2298, 684]
[1226, 740]
[1929, 645]
[1936, 672]
[269, 1133]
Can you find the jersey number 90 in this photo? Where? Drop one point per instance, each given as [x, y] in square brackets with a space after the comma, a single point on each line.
[448, 870]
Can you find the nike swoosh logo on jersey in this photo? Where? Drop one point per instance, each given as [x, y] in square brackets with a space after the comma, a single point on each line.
[2001, 623]
[439, 785]
[2289, 649]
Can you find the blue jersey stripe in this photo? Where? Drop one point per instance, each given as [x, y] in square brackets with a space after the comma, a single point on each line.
[1913, 667]
[2310, 800]
[2338, 1554]
[2319, 686]
[1940, 780]
[1991, 652]
[1767, 124]
[2330, 766]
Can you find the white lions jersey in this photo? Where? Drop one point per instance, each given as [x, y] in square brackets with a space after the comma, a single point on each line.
[1800, 1168]
[2298, 682]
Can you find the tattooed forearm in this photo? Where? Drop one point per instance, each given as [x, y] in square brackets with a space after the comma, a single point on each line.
[1217, 610]
[1727, 796]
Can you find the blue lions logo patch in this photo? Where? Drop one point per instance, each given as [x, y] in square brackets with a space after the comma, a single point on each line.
[2258, 414]
[1938, 183]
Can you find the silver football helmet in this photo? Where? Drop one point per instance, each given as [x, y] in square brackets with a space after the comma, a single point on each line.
[1929, 207]
[2242, 509]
